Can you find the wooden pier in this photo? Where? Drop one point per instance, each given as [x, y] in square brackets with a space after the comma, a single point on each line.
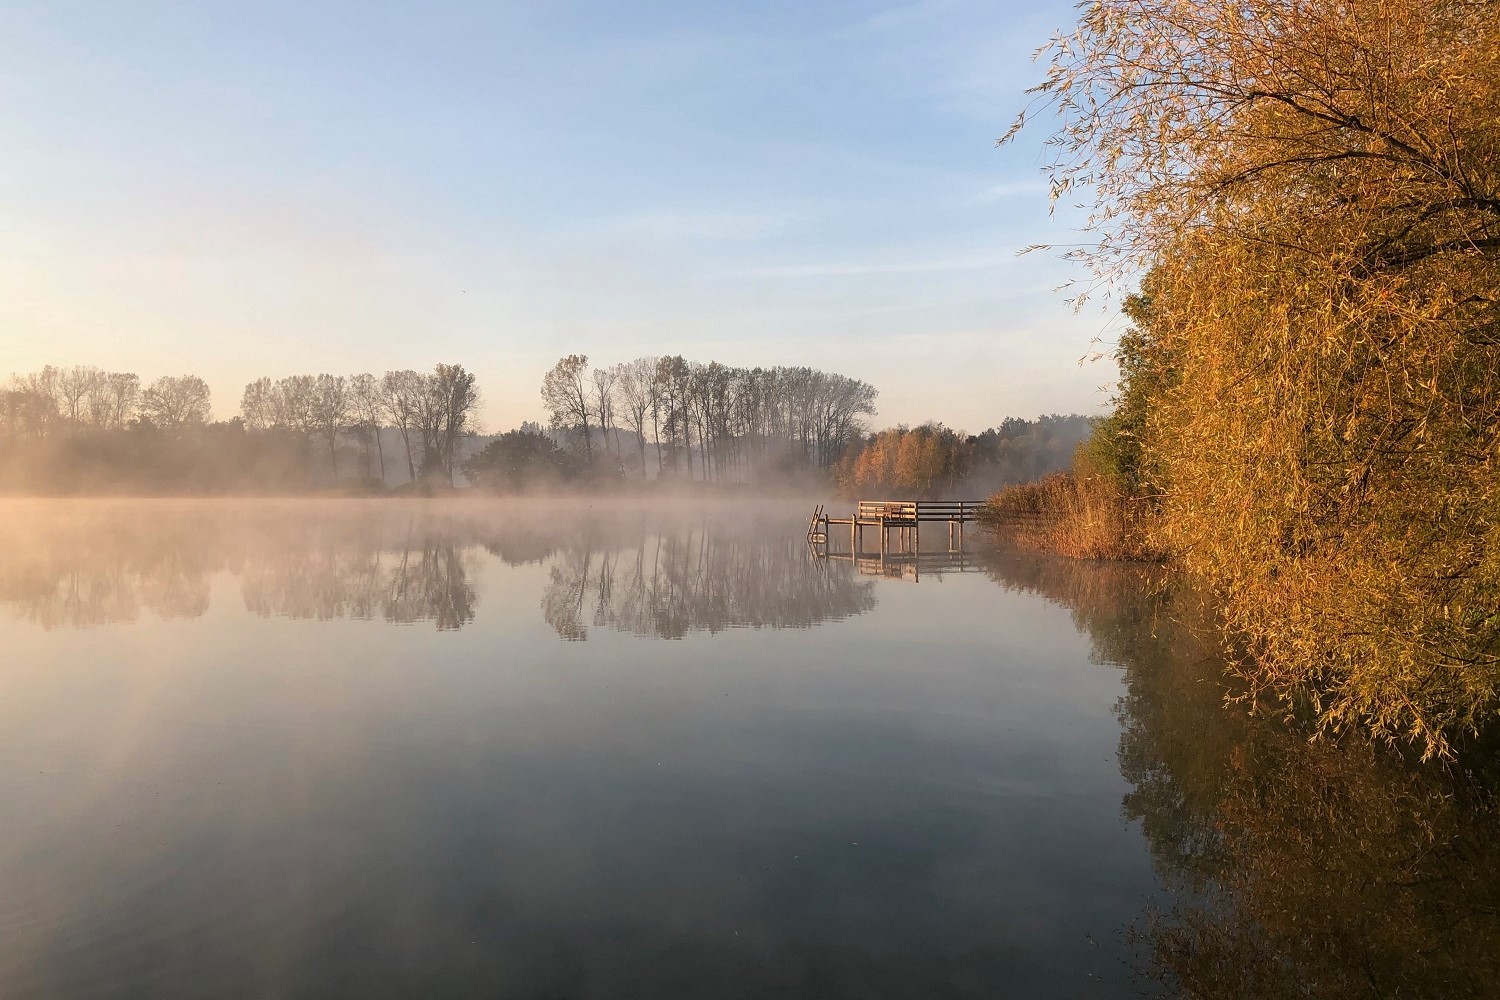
[898, 521]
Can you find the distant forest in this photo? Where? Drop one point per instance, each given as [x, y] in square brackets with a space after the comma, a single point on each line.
[649, 421]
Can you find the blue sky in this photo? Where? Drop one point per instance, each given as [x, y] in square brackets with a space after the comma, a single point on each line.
[268, 188]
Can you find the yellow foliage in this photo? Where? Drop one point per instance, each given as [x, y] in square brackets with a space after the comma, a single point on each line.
[916, 463]
[1081, 516]
[1315, 190]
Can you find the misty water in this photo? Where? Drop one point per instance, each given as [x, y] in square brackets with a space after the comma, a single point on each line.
[563, 749]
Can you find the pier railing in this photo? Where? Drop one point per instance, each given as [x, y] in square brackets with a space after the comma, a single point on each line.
[871, 511]
[898, 519]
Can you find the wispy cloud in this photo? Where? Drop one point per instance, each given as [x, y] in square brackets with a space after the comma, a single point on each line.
[966, 262]
[904, 15]
[672, 225]
[1010, 189]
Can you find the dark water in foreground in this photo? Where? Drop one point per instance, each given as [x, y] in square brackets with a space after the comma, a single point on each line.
[555, 751]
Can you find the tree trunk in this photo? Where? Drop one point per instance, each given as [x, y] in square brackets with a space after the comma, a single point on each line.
[656, 439]
[411, 467]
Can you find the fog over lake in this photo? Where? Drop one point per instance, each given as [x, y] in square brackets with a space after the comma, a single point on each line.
[575, 749]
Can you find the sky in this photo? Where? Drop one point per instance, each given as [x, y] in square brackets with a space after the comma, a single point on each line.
[246, 189]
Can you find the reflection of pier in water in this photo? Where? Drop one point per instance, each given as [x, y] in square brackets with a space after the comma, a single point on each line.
[899, 522]
[910, 565]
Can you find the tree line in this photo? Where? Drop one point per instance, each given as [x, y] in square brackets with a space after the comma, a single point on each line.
[705, 421]
[82, 428]
[63, 400]
[431, 412]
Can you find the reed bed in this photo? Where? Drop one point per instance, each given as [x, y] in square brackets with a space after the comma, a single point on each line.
[1085, 517]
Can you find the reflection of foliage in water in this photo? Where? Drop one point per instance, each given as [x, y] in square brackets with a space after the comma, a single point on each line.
[1302, 869]
[668, 585]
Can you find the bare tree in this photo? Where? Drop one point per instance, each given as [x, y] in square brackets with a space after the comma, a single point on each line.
[112, 399]
[367, 406]
[73, 387]
[566, 397]
[330, 412]
[296, 406]
[445, 413]
[672, 380]
[258, 405]
[30, 404]
[37, 402]
[633, 385]
[602, 385]
[176, 402]
[401, 392]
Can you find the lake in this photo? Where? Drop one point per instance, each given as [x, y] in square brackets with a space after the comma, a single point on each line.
[561, 749]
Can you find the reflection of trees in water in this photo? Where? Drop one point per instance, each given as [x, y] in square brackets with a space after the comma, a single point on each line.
[1302, 869]
[637, 570]
[416, 579]
[97, 564]
[87, 569]
[432, 584]
[670, 584]
[521, 544]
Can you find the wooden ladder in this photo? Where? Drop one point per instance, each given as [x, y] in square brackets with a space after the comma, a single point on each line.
[816, 533]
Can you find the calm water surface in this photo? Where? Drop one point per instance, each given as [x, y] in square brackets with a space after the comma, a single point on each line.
[560, 750]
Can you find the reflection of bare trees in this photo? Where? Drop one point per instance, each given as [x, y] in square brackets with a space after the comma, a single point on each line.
[637, 570]
[424, 579]
[1303, 869]
[431, 584]
[521, 544]
[97, 563]
[86, 567]
[672, 583]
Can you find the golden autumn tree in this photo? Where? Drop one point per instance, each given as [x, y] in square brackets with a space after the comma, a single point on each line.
[917, 463]
[1314, 188]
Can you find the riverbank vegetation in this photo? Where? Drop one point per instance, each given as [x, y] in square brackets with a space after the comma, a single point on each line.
[1076, 513]
[1309, 414]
